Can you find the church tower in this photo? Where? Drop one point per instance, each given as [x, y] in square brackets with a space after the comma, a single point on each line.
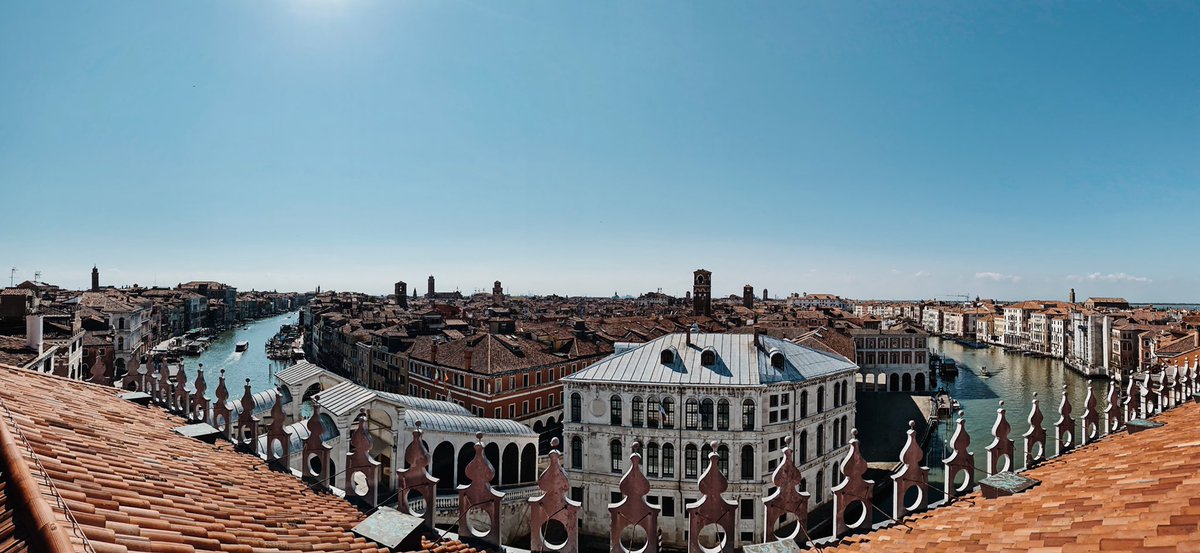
[748, 296]
[402, 294]
[95, 279]
[430, 292]
[702, 293]
[497, 294]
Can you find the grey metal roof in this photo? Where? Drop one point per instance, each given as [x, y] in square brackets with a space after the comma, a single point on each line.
[298, 373]
[263, 402]
[426, 404]
[739, 362]
[467, 424]
[345, 397]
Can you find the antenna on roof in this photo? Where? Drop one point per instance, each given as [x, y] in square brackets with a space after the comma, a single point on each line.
[12, 274]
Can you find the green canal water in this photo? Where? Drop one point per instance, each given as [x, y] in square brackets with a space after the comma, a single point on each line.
[239, 366]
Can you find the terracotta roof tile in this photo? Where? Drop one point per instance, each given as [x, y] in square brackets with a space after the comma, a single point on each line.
[1128, 492]
[134, 485]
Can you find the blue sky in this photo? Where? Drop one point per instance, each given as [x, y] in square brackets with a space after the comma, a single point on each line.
[885, 149]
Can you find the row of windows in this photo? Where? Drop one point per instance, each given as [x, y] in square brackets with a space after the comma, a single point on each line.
[893, 342]
[660, 460]
[895, 357]
[706, 414]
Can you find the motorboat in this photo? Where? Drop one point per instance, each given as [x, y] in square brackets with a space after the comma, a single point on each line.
[242, 346]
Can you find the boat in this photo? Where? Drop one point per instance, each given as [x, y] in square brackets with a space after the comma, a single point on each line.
[241, 346]
[984, 373]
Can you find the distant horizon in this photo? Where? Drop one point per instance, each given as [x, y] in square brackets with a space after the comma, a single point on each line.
[717, 295]
[869, 149]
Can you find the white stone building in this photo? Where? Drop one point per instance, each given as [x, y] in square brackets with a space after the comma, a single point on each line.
[677, 394]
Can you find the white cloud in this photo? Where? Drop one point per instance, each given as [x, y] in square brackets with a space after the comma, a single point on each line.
[922, 274]
[997, 277]
[1110, 277]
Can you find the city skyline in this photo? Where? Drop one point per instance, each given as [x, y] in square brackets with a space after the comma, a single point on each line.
[866, 150]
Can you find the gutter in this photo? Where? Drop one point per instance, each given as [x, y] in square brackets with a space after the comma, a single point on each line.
[45, 531]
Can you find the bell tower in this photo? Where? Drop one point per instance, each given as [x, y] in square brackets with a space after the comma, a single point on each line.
[402, 294]
[95, 279]
[702, 293]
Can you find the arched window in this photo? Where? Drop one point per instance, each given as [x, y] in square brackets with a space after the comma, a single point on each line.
[845, 434]
[614, 450]
[708, 357]
[837, 393]
[576, 407]
[723, 459]
[691, 413]
[120, 344]
[837, 431]
[652, 459]
[636, 415]
[668, 461]
[845, 393]
[723, 415]
[668, 413]
[820, 485]
[747, 462]
[803, 404]
[667, 357]
[706, 414]
[690, 460]
[803, 453]
[705, 451]
[748, 414]
[652, 407]
[576, 453]
[821, 399]
[614, 410]
[821, 439]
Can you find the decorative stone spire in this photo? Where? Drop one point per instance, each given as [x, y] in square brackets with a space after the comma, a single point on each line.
[960, 461]
[1113, 411]
[222, 414]
[1064, 428]
[479, 493]
[712, 507]
[416, 477]
[164, 392]
[362, 472]
[1001, 446]
[180, 401]
[1035, 436]
[277, 434]
[314, 464]
[1149, 397]
[247, 424]
[1133, 401]
[913, 475]
[1091, 418]
[199, 404]
[553, 504]
[141, 374]
[99, 372]
[1177, 378]
[787, 497]
[632, 509]
[853, 488]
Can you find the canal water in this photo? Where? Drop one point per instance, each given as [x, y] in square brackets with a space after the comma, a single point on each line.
[1014, 379]
[239, 366]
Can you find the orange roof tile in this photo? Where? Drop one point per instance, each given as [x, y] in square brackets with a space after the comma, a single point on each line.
[135, 485]
[1138, 492]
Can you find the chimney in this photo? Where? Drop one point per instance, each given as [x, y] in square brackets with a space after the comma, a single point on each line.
[433, 352]
[689, 335]
[33, 332]
[468, 361]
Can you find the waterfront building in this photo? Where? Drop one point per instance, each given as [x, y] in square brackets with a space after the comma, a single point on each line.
[817, 301]
[682, 394]
[931, 319]
[124, 321]
[893, 360]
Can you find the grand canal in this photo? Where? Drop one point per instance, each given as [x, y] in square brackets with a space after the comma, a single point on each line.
[1014, 379]
[239, 366]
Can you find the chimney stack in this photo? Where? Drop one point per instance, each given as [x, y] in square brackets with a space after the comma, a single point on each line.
[468, 360]
[689, 335]
[33, 332]
[433, 351]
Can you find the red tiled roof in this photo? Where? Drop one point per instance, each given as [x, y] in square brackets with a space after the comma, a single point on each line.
[134, 485]
[1128, 492]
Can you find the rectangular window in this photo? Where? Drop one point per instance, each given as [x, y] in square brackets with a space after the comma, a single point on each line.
[539, 378]
[524, 407]
[512, 411]
[537, 404]
[614, 497]
[747, 509]
[496, 413]
[577, 493]
[747, 537]
[668, 506]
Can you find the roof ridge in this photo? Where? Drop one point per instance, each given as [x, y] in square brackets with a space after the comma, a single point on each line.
[49, 534]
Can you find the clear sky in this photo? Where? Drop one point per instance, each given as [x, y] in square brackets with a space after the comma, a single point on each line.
[889, 149]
